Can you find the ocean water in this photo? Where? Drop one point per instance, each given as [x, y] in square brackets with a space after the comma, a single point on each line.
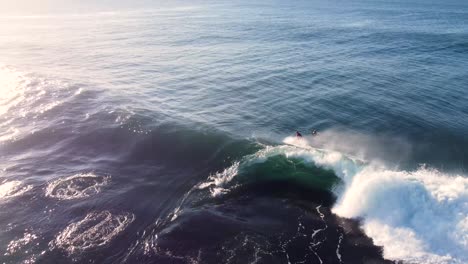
[163, 132]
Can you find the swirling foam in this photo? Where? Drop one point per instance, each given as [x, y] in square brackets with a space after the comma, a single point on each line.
[13, 188]
[76, 186]
[95, 230]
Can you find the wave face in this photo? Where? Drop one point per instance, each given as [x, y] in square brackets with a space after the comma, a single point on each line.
[144, 132]
[275, 164]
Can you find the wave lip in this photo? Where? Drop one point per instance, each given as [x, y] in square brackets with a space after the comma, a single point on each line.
[95, 230]
[76, 186]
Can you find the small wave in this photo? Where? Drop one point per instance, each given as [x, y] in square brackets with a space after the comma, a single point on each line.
[76, 186]
[95, 230]
[13, 188]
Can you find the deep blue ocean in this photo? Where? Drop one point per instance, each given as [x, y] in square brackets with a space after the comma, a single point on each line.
[164, 132]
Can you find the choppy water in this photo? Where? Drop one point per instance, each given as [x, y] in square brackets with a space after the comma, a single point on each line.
[162, 134]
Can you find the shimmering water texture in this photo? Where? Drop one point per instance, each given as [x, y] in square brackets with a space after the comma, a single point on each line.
[163, 133]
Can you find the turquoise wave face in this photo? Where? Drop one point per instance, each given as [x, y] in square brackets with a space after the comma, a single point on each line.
[279, 168]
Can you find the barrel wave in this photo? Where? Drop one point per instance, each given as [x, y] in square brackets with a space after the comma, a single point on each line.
[162, 132]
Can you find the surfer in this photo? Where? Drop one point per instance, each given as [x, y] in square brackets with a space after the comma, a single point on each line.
[299, 135]
[314, 132]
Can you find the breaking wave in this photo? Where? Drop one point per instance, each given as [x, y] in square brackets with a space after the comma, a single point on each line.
[95, 230]
[284, 163]
[417, 216]
[76, 186]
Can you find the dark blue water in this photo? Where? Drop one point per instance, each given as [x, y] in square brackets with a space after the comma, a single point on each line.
[163, 132]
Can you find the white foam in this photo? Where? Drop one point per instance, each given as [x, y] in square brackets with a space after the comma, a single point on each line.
[95, 230]
[18, 244]
[9, 189]
[76, 186]
[338, 246]
[218, 181]
[418, 216]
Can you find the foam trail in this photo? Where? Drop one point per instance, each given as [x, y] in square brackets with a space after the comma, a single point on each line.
[338, 254]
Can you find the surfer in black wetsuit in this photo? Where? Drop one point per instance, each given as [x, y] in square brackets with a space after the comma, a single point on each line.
[299, 135]
[314, 132]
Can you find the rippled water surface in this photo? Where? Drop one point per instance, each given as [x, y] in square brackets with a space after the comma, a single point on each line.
[163, 132]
